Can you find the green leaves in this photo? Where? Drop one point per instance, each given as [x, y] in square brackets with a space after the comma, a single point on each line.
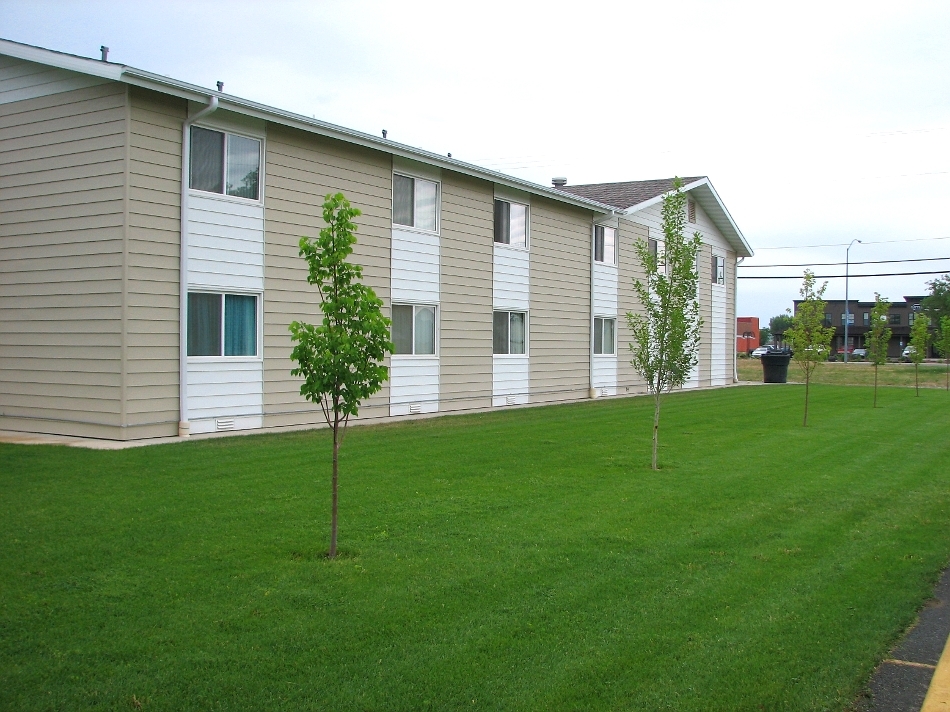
[809, 338]
[340, 359]
[880, 333]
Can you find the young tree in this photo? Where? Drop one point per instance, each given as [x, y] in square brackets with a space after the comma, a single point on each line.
[810, 341]
[779, 325]
[666, 335]
[942, 344]
[340, 359]
[765, 336]
[919, 338]
[937, 305]
[878, 337]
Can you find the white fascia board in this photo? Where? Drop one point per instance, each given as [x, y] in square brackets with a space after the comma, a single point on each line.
[710, 201]
[61, 60]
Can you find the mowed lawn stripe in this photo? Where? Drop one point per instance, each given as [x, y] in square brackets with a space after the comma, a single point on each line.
[526, 559]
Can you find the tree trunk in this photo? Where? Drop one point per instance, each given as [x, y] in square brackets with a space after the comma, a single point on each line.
[336, 456]
[807, 380]
[917, 379]
[948, 374]
[656, 427]
[875, 385]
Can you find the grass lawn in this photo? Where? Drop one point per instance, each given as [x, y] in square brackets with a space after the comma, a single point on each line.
[526, 559]
[855, 373]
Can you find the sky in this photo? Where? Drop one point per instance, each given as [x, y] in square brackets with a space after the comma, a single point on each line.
[818, 123]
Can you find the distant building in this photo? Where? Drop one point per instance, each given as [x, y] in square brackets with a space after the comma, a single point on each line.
[747, 334]
[900, 317]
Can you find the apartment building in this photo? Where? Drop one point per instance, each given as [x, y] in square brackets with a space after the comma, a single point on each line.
[148, 256]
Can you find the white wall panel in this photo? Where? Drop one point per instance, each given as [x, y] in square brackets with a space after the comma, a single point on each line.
[225, 388]
[604, 375]
[413, 385]
[510, 286]
[225, 243]
[510, 380]
[415, 267]
[605, 290]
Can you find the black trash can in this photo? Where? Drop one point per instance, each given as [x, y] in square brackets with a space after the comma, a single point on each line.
[775, 366]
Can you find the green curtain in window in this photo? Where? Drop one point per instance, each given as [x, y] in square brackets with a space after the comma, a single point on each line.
[204, 324]
[240, 325]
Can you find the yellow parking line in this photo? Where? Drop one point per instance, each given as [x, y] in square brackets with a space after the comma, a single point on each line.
[938, 696]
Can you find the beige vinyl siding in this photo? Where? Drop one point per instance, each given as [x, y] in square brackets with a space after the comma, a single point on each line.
[629, 268]
[706, 312]
[300, 169]
[466, 293]
[559, 318]
[61, 261]
[152, 281]
[731, 315]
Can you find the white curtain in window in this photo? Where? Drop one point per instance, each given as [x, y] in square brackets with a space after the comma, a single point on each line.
[519, 225]
[426, 204]
[608, 342]
[425, 330]
[517, 333]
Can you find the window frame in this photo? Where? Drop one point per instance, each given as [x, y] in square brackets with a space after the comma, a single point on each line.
[258, 318]
[851, 318]
[604, 228]
[225, 195]
[509, 312]
[438, 203]
[527, 224]
[415, 306]
[593, 345]
[718, 263]
[894, 319]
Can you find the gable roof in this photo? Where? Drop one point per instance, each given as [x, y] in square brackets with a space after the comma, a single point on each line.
[191, 92]
[633, 196]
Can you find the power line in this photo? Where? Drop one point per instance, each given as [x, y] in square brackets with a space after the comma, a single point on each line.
[842, 276]
[845, 244]
[835, 264]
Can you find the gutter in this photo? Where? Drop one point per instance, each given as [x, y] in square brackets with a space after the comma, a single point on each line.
[183, 425]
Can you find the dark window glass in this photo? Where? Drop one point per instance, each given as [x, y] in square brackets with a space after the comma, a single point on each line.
[207, 160]
[204, 324]
[402, 328]
[598, 243]
[866, 317]
[654, 247]
[896, 319]
[403, 200]
[500, 335]
[502, 222]
[244, 167]
[598, 336]
[240, 325]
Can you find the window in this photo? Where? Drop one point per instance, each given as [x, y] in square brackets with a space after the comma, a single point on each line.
[413, 330]
[827, 320]
[910, 318]
[605, 242]
[604, 335]
[896, 319]
[654, 248]
[691, 210]
[511, 224]
[416, 203]
[509, 332]
[222, 324]
[866, 318]
[718, 270]
[225, 163]
[850, 319]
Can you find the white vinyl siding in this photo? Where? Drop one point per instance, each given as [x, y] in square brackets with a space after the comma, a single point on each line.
[510, 285]
[225, 392]
[225, 243]
[510, 380]
[413, 385]
[415, 267]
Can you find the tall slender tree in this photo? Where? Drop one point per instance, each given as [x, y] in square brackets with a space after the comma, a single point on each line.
[666, 333]
[809, 339]
[879, 336]
[942, 344]
[340, 359]
[919, 339]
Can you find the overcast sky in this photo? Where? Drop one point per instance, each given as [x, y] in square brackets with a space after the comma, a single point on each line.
[817, 123]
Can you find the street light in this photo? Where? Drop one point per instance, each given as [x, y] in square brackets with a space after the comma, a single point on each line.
[847, 310]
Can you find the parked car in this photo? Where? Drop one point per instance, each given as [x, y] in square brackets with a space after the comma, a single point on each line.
[908, 352]
[860, 353]
[761, 351]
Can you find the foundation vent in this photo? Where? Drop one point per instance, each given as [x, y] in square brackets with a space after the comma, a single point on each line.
[509, 400]
[224, 423]
[604, 392]
[415, 407]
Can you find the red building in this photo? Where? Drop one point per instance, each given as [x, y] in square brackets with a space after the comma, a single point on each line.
[747, 334]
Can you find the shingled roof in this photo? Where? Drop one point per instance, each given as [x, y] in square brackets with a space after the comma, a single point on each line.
[627, 194]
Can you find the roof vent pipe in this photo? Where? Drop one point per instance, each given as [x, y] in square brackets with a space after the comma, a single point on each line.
[105, 53]
[384, 133]
[559, 182]
[220, 86]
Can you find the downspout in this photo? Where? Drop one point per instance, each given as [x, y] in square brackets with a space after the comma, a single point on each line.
[183, 426]
[735, 320]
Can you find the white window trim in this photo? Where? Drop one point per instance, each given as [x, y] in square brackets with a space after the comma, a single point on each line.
[527, 332]
[593, 246]
[715, 282]
[224, 196]
[260, 325]
[592, 322]
[438, 329]
[438, 204]
[527, 226]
